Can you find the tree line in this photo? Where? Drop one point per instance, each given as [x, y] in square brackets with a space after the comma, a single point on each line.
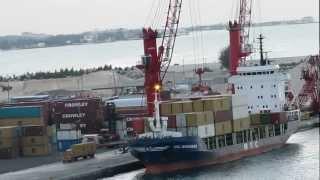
[63, 73]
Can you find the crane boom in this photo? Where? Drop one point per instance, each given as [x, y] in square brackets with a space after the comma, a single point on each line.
[245, 22]
[156, 61]
[169, 36]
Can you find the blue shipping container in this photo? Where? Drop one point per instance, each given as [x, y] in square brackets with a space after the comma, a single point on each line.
[63, 145]
[20, 112]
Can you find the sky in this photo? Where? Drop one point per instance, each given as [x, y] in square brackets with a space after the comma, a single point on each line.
[74, 16]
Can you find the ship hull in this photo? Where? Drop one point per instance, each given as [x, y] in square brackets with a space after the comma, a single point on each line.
[173, 154]
[183, 165]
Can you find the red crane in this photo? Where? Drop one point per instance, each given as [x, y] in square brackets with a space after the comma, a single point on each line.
[308, 97]
[156, 60]
[239, 36]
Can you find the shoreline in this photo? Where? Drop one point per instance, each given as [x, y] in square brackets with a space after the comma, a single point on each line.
[105, 80]
[283, 23]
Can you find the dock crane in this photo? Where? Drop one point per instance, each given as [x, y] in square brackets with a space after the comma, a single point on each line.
[239, 31]
[156, 60]
[308, 98]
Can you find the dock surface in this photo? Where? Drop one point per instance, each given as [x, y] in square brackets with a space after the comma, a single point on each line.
[104, 164]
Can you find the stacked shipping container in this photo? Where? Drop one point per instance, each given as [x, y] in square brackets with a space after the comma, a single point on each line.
[30, 126]
[35, 141]
[23, 115]
[86, 113]
[201, 117]
[229, 114]
[66, 138]
[8, 142]
[240, 115]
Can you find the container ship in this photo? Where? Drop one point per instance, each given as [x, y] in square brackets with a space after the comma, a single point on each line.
[215, 129]
[255, 117]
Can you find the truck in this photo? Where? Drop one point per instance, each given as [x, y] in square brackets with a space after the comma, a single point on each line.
[82, 150]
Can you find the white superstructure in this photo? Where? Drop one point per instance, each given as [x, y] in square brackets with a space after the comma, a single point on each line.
[264, 87]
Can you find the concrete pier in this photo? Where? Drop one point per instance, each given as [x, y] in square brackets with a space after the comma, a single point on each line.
[103, 165]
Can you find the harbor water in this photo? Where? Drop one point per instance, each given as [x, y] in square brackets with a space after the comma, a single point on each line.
[280, 41]
[297, 160]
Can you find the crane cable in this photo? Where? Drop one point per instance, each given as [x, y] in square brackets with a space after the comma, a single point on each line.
[192, 33]
[148, 19]
[197, 34]
[201, 34]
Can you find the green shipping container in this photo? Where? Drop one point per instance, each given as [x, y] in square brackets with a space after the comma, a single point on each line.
[20, 112]
[255, 119]
[265, 118]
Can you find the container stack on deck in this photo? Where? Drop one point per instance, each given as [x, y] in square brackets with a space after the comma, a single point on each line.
[201, 117]
[241, 119]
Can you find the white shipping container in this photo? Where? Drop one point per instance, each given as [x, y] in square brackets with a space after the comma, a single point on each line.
[239, 100]
[206, 131]
[192, 131]
[67, 126]
[181, 120]
[68, 135]
[240, 112]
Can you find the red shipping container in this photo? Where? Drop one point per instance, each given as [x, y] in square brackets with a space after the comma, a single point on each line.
[221, 116]
[87, 111]
[172, 121]
[136, 124]
[277, 118]
[77, 105]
